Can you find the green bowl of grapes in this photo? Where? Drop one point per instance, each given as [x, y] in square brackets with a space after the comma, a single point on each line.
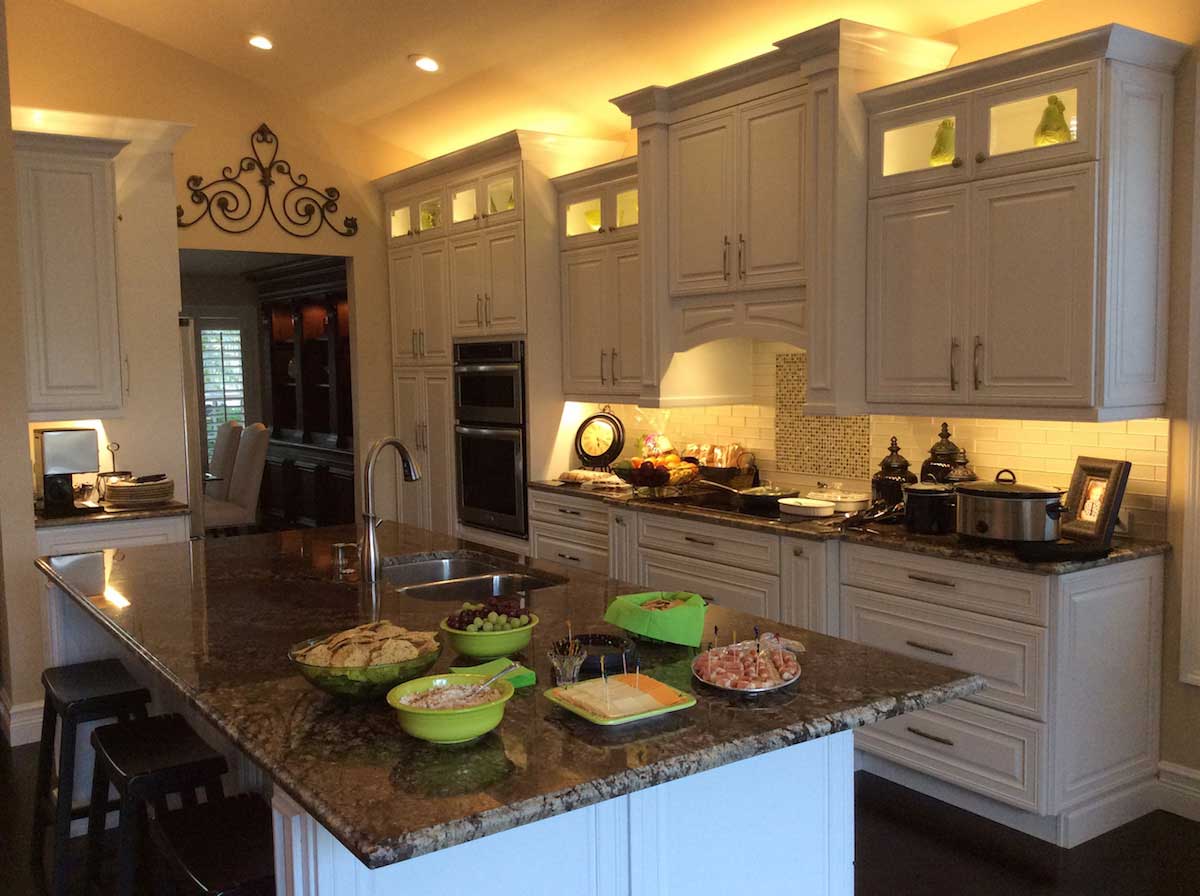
[488, 630]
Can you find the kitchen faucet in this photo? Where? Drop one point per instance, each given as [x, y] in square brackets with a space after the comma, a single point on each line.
[369, 559]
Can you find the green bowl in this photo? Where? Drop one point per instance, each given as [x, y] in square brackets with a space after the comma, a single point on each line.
[488, 645]
[361, 683]
[448, 726]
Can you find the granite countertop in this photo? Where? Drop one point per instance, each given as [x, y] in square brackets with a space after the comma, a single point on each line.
[883, 535]
[216, 618]
[174, 508]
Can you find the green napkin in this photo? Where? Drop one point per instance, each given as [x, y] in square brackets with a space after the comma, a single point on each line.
[520, 677]
[679, 625]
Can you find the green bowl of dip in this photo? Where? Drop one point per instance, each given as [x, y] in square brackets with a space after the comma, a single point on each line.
[448, 726]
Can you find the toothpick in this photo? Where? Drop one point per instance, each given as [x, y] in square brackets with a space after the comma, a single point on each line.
[637, 677]
[604, 677]
[624, 665]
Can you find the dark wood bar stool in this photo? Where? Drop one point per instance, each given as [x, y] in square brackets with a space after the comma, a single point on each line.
[146, 761]
[223, 848]
[83, 692]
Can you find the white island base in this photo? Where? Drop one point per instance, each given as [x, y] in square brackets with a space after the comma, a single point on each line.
[779, 822]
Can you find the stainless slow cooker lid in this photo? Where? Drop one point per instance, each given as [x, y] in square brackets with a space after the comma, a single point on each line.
[1009, 488]
[929, 488]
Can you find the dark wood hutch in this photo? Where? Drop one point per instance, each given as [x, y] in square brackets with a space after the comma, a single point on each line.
[304, 337]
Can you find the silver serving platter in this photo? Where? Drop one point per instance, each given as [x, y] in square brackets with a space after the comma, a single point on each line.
[785, 644]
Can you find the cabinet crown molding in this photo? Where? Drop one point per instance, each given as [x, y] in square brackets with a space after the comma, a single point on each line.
[597, 174]
[67, 144]
[1113, 41]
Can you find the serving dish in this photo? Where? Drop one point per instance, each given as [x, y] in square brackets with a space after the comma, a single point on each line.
[619, 652]
[360, 683]
[487, 645]
[685, 701]
[769, 643]
[805, 507]
[448, 726]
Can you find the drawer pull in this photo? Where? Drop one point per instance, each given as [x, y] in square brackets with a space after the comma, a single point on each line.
[569, 512]
[797, 552]
[703, 541]
[932, 581]
[568, 557]
[619, 520]
[938, 650]
[933, 737]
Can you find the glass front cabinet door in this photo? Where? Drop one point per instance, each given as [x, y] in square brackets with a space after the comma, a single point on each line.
[921, 146]
[491, 198]
[401, 221]
[600, 213]
[1036, 122]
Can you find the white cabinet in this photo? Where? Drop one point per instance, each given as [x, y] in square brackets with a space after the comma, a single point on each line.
[481, 200]
[1028, 273]
[418, 278]
[66, 202]
[737, 199]
[622, 545]
[487, 282]
[602, 338]
[598, 205]
[82, 538]
[569, 530]
[808, 598]
[424, 407]
[738, 589]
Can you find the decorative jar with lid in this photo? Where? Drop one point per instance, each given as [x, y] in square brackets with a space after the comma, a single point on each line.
[888, 484]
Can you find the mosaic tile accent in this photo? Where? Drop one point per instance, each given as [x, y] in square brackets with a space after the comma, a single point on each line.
[836, 447]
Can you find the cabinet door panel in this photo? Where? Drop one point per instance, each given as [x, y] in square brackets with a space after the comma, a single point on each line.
[68, 268]
[437, 450]
[917, 288]
[434, 342]
[412, 505]
[504, 296]
[586, 315]
[466, 285]
[403, 284]
[923, 146]
[701, 205]
[771, 209]
[749, 592]
[802, 578]
[625, 303]
[1034, 258]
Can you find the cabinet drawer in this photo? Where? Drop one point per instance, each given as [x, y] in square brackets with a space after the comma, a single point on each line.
[1023, 597]
[718, 544]
[1011, 655]
[991, 753]
[569, 511]
[747, 592]
[582, 550]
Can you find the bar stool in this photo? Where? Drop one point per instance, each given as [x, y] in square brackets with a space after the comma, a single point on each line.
[222, 848]
[146, 760]
[84, 692]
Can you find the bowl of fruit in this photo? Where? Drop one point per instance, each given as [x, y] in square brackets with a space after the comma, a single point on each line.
[497, 627]
[658, 472]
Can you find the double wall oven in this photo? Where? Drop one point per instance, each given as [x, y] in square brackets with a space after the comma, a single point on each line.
[489, 435]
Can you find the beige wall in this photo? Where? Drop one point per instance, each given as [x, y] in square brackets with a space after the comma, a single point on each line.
[63, 58]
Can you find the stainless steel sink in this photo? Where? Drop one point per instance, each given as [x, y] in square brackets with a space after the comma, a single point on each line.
[476, 588]
[423, 572]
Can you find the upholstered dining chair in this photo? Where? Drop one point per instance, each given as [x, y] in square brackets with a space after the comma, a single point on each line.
[229, 435]
[240, 509]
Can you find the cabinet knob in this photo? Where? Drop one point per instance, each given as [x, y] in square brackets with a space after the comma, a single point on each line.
[957, 163]
[980, 158]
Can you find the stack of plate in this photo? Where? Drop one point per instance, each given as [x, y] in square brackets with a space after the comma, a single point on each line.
[140, 494]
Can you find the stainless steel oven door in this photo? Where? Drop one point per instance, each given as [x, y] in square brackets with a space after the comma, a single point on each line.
[491, 478]
[489, 393]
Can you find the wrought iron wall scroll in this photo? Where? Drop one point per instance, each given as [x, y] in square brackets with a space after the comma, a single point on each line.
[232, 206]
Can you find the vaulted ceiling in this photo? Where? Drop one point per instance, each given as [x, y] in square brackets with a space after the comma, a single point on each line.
[549, 65]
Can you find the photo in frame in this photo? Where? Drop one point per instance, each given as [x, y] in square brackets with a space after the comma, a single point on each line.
[1097, 487]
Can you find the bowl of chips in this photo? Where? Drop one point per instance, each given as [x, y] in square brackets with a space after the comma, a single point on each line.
[365, 662]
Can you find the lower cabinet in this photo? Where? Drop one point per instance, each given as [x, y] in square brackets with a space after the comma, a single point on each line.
[622, 545]
[425, 421]
[808, 599]
[82, 538]
[570, 547]
[738, 589]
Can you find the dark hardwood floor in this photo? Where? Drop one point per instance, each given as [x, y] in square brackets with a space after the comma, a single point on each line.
[906, 844]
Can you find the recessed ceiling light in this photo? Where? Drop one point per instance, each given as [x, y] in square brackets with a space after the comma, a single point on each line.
[261, 42]
[424, 63]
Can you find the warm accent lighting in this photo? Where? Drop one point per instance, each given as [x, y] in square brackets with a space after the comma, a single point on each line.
[115, 597]
[261, 42]
[424, 63]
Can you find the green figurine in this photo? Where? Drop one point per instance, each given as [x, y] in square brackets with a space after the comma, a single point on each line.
[1052, 129]
[943, 144]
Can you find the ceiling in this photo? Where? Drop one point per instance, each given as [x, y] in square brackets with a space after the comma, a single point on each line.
[229, 263]
[549, 65]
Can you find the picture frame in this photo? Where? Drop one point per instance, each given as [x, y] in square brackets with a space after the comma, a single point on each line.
[1094, 498]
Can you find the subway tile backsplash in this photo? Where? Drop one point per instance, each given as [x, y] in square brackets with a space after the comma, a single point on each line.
[799, 450]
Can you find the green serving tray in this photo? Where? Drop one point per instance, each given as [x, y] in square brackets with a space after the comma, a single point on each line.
[553, 696]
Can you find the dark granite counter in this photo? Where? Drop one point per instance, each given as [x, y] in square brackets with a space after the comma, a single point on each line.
[215, 619]
[891, 536]
[174, 508]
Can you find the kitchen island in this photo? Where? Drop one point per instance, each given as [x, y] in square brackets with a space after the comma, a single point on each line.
[735, 793]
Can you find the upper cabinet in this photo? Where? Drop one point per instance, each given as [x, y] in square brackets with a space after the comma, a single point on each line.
[67, 217]
[752, 197]
[1017, 234]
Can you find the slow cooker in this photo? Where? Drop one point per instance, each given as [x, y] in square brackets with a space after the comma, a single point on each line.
[1007, 510]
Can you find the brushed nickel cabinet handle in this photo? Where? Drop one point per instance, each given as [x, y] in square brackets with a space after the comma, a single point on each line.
[957, 163]
[953, 373]
[619, 520]
[569, 512]
[414, 343]
[478, 310]
[797, 552]
[938, 650]
[421, 342]
[487, 309]
[741, 257]
[975, 359]
[568, 557]
[612, 366]
[980, 158]
[725, 257]
[603, 355]
[933, 737]
[703, 541]
[929, 580]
